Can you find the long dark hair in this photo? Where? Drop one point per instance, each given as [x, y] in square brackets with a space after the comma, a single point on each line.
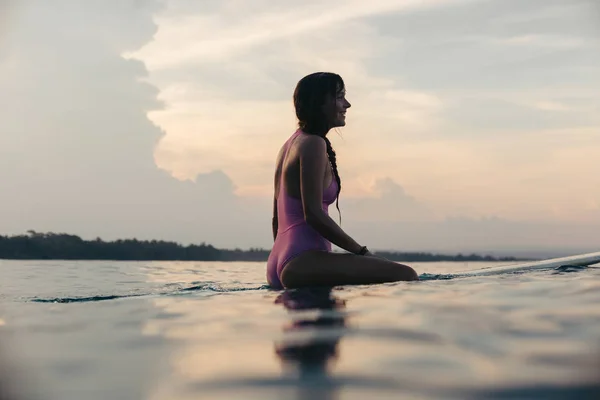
[309, 96]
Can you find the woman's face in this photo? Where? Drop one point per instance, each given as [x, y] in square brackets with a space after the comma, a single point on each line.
[335, 109]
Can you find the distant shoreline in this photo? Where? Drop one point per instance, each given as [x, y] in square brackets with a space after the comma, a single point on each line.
[62, 246]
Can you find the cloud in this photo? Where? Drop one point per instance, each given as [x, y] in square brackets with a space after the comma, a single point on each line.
[390, 202]
[76, 153]
[254, 28]
[163, 119]
[473, 115]
[551, 41]
[6, 17]
[490, 235]
[433, 97]
[395, 220]
[238, 103]
[505, 46]
[551, 106]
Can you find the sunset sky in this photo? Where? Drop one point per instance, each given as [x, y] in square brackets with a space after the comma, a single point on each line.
[475, 124]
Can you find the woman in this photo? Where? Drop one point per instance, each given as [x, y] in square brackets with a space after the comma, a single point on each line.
[306, 183]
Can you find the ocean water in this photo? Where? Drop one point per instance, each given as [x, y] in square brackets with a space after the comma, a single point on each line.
[193, 330]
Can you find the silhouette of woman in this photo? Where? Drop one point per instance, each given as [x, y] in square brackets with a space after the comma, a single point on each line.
[306, 183]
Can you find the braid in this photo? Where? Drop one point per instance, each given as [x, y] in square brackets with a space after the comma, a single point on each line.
[309, 96]
[333, 161]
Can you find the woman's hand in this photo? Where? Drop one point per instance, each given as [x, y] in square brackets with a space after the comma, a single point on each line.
[364, 251]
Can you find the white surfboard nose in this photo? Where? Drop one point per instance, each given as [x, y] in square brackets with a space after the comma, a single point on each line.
[579, 260]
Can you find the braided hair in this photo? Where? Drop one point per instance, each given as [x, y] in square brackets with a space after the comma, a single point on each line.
[309, 96]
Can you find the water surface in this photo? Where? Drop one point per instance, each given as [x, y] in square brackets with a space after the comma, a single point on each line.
[191, 330]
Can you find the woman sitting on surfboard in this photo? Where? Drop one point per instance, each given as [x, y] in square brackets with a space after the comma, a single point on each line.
[306, 183]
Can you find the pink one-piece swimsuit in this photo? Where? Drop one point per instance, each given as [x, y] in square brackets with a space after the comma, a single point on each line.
[294, 235]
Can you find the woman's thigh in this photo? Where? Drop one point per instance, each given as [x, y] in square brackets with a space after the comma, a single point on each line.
[321, 268]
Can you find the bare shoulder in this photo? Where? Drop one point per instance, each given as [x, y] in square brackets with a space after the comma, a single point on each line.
[312, 145]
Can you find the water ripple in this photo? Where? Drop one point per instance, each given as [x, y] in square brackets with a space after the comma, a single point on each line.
[197, 287]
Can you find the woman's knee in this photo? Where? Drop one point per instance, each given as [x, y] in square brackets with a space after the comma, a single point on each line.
[400, 272]
[406, 273]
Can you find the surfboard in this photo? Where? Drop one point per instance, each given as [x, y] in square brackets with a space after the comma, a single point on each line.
[579, 260]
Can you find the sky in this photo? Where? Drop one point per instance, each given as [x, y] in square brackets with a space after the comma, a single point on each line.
[474, 126]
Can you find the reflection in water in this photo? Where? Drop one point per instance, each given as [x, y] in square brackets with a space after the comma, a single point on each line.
[310, 344]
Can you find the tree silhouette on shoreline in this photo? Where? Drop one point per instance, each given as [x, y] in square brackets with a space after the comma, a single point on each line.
[63, 246]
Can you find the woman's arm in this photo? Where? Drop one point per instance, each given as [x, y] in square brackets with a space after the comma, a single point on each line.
[313, 164]
[275, 221]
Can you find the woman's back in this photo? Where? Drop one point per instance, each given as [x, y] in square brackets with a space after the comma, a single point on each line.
[293, 234]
